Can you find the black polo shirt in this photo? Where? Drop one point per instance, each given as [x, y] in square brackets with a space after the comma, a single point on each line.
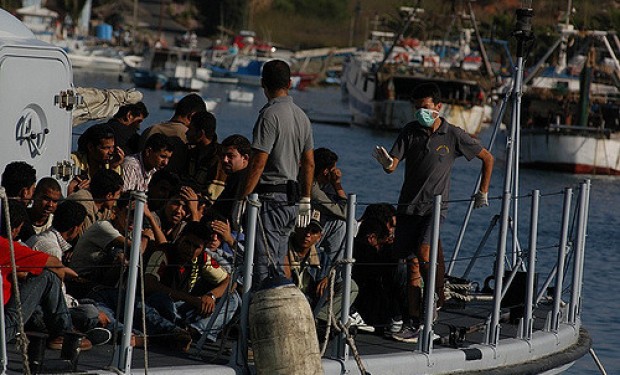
[429, 158]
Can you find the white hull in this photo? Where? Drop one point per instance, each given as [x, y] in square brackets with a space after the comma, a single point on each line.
[99, 63]
[587, 152]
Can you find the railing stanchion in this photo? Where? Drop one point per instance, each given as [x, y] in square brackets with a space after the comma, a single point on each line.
[559, 279]
[575, 300]
[528, 319]
[429, 285]
[343, 349]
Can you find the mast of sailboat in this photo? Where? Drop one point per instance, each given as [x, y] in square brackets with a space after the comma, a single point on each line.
[483, 51]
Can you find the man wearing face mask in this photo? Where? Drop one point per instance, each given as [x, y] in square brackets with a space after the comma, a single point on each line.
[430, 145]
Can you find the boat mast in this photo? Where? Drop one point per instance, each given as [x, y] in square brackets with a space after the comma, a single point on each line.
[564, 29]
[523, 34]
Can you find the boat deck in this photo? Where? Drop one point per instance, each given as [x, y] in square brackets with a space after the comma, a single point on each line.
[469, 318]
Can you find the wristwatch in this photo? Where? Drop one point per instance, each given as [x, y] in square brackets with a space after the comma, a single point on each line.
[210, 294]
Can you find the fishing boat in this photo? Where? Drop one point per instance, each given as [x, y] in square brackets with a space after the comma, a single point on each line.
[378, 81]
[513, 327]
[572, 108]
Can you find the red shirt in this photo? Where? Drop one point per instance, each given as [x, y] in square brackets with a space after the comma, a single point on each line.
[26, 259]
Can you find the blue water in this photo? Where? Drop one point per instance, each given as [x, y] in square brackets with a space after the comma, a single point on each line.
[364, 177]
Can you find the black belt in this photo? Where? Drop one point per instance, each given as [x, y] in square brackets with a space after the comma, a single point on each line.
[265, 189]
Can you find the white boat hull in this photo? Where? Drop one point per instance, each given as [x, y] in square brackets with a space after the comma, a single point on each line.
[588, 153]
[99, 63]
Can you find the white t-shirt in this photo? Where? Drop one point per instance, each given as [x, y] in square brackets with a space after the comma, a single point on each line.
[91, 249]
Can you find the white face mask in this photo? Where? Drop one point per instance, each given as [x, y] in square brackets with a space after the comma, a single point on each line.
[425, 116]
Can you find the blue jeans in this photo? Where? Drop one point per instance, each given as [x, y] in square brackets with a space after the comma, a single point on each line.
[276, 221]
[165, 314]
[332, 244]
[45, 291]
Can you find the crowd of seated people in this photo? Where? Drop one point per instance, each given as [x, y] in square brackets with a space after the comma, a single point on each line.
[72, 251]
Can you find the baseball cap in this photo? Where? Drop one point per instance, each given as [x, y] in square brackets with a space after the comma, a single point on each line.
[315, 219]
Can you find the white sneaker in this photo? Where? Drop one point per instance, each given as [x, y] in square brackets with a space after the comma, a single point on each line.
[357, 320]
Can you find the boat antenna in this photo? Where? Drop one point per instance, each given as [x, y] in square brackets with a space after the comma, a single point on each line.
[523, 33]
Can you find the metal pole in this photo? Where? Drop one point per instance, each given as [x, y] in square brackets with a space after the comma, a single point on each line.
[429, 285]
[559, 280]
[470, 208]
[248, 265]
[483, 242]
[598, 363]
[493, 336]
[124, 357]
[343, 349]
[583, 240]
[531, 269]
[511, 276]
[577, 255]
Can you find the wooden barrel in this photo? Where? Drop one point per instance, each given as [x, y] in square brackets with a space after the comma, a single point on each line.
[283, 333]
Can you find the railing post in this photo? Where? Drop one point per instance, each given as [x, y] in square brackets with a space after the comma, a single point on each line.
[248, 265]
[528, 320]
[429, 285]
[343, 349]
[492, 337]
[575, 302]
[124, 356]
[559, 279]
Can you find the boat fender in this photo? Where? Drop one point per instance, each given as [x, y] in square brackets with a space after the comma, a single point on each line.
[283, 333]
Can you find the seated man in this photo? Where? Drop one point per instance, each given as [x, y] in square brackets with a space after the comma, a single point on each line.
[19, 180]
[302, 265]
[44, 203]
[161, 187]
[100, 197]
[126, 123]
[183, 285]
[98, 255]
[56, 241]
[40, 284]
[236, 150]
[137, 169]
[330, 199]
[183, 206]
[224, 244]
[373, 272]
[96, 150]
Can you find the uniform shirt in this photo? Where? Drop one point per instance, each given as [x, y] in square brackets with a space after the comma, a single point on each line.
[283, 131]
[429, 159]
[26, 259]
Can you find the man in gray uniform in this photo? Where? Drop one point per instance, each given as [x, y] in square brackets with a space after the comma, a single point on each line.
[430, 145]
[282, 151]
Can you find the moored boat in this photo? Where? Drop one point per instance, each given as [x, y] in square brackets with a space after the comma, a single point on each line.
[572, 110]
[477, 334]
[378, 81]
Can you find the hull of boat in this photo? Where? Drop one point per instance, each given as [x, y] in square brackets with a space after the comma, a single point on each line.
[98, 63]
[587, 153]
[370, 105]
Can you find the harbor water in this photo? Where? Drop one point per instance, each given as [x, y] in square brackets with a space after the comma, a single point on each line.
[363, 176]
